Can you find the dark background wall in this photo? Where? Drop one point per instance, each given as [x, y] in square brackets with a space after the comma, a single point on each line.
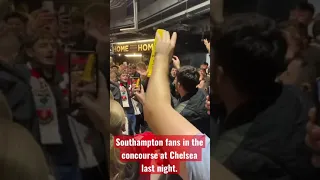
[276, 9]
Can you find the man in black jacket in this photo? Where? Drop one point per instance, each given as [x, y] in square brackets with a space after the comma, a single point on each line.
[191, 105]
[262, 134]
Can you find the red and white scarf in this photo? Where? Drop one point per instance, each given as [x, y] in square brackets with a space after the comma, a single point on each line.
[46, 108]
[125, 94]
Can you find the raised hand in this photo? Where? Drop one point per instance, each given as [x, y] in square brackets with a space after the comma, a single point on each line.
[166, 44]
[139, 94]
[207, 44]
[176, 62]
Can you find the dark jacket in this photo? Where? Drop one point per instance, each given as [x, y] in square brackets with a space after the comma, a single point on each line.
[14, 85]
[115, 90]
[264, 139]
[195, 111]
[20, 99]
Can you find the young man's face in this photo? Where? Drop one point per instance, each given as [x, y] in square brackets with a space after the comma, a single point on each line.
[53, 27]
[173, 72]
[44, 51]
[124, 77]
[202, 72]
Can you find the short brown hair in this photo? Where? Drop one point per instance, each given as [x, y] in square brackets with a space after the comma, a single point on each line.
[142, 65]
[29, 41]
[123, 71]
[98, 11]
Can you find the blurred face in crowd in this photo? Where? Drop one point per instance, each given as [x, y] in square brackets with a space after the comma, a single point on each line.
[115, 69]
[132, 70]
[9, 47]
[173, 72]
[113, 76]
[202, 72]
[302, 16]
[44, 51]
[16, 24]
[204, 66]
[53, 27]
[177, 85]
[124, 77]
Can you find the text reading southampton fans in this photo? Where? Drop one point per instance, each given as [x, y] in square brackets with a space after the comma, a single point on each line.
[160, 154]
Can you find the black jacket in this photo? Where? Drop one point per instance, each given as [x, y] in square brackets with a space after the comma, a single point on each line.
[273, 146]
[195, 111]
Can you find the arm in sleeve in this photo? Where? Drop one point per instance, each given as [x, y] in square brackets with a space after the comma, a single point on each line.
[200, 170]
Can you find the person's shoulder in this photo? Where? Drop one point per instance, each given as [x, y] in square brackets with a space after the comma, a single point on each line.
[14, 72]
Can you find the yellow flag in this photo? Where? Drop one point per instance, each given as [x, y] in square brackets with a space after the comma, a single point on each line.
[153, 53]
[88, 69]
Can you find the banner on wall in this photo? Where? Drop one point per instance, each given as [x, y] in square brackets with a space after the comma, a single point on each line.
[133, 47]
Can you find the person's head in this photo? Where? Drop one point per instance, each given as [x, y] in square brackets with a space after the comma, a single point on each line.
[246, 56]
[115, 68]
[202, 72]
[303, 13]
[113, 76]
[42, 48]
[141, 67]
[17, 22]
[117, 118]
[96, 16]
[187, 80]
[117, 126]
[204, 66]
[173, 72]
[18, 150]
[50, 26]
[10, 46]
[124, 76]
[132, 69]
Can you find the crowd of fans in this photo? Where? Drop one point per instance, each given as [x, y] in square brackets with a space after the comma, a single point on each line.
[40, 137]
[188, 87]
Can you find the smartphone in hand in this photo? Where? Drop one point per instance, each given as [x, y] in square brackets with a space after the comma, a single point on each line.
[317, 98]
[136, 84]
[83, 74]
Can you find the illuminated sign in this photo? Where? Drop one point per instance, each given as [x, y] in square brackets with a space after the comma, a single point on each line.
[133, 48]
